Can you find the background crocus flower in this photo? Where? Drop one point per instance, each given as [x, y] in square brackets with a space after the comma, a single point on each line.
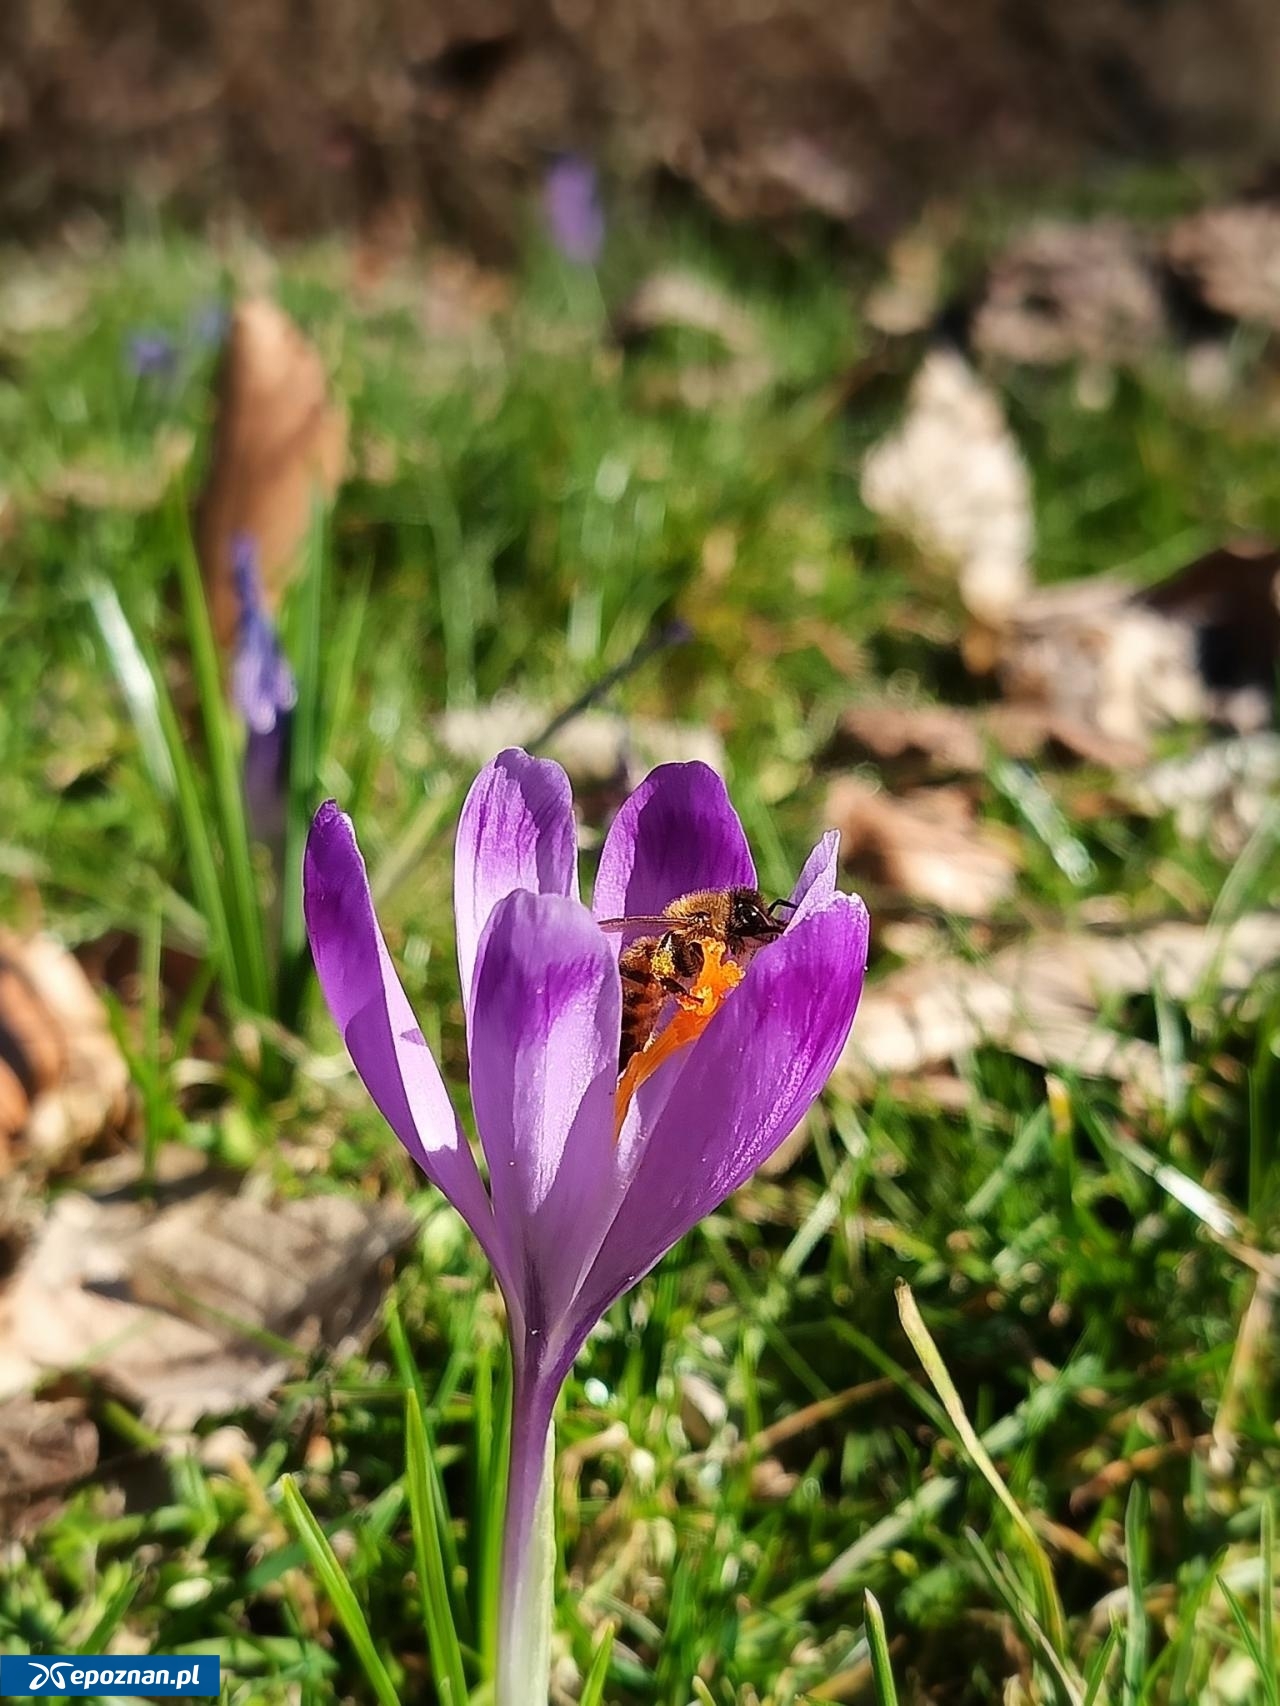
[151, 355]
[264, 692]
[573, 1215]
[575, 218]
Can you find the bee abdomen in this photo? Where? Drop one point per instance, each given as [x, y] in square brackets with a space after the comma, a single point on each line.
[642, 998]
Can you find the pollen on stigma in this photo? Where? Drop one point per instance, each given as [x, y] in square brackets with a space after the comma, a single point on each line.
[695, 1009]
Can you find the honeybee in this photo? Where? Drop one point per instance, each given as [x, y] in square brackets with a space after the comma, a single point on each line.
[665, 961]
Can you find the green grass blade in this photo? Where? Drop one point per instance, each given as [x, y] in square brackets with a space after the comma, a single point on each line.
[1096, 1679]
[111, 1616]
[1135, 1645]
[307, 634]
[1050, 1605]
[409, 1377]
[877, 1641]
[324, 1561]
[123, 645]
[593, 1685]
[1267, 1602]
[138, 682]
[1249, 1638]
[244, 911]
[437, 1613]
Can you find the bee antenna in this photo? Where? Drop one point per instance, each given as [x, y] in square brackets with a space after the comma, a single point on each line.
[790, 904]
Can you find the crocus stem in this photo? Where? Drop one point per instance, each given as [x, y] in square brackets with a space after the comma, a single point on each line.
[528, 1549]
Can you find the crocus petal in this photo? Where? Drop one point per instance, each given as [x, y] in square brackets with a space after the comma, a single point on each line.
[725, 1105]
[372, 1013]
[544, 1065]
[516, 832]
[571, 196]
[817, 880]
[676, 833]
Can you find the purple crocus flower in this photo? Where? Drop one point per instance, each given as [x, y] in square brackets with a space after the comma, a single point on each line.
[151, 355]
[571, 199]
[588, 1184]
[264, 692]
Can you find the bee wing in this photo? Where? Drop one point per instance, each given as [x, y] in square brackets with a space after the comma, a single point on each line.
[656, 921]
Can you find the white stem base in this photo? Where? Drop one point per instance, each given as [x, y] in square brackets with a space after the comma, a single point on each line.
[524, 1640]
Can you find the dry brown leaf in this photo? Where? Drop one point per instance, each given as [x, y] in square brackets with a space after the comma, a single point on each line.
[1202, 644]
[770, 1482]
[673, 300]
[169, 1307]
[683, 301]
[42, 296]
[910, 295]
[279, 442]
[44, 1446]
[72, 1082]
[1229, 257]
[1229, 599]
[1222, 792]
[946, 739]
[1063, 292]
[596, 747]
[1041, 997]
[459, 297]
[704, 1410]
[926, 845]
[953, 481]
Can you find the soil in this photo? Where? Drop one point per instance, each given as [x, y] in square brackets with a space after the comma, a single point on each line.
[314, 113]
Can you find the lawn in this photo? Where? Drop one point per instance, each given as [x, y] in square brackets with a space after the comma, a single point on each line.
[749, 1443]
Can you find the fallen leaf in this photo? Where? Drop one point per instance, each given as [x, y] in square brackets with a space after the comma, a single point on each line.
[44, 1446]
[1229, 258]
[1221, 792]
[948, 739]
[595, 747]
[678, 301]
[1229, 599]
[64, 1081]
[675, 300]
[954, 482]
[1061, 292]
[770, 1482]
[460, 297]
[41, 297]
[797, 171]
[703, 1409]
[1041, 997]
[908, 299]
[179, 1308]
[279, 442]
[1202, 644]
[926, 845]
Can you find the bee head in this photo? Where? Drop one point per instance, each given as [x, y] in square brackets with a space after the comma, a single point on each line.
[750, 921]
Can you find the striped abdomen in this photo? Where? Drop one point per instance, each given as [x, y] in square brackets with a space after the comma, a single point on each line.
[642, 996]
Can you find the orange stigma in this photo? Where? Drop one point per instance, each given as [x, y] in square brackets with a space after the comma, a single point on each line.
[694, 1012]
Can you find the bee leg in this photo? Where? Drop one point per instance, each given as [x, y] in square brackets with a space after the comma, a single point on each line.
[677, 959]
[664, 965]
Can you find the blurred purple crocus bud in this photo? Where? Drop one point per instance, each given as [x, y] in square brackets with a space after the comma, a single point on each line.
[575, 218]
[264, 692]
[151, 355]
